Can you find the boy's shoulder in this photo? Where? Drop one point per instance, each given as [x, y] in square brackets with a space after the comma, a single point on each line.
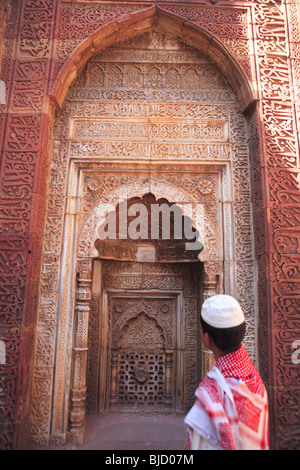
[212, 388]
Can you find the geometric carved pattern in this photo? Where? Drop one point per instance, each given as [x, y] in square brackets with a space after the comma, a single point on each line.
[147, 344]
[141, 331]
[141, 379]
[141, 368]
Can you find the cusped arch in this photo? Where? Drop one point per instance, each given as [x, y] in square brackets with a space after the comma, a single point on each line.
[161, 190]
[141, 329]
[132, 313]
[142, 21]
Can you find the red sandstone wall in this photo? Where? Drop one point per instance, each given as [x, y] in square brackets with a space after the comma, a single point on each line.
[39, 37]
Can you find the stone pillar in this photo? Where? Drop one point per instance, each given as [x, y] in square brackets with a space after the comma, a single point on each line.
[113, 399]
[209, 288]
[169, 368]
[80, 348]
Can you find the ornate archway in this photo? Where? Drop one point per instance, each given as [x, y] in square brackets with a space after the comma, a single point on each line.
[159, 283]
[190, 205]
[94, 173]
[138, 22]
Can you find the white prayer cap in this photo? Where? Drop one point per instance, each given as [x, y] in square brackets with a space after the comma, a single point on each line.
[222, 311]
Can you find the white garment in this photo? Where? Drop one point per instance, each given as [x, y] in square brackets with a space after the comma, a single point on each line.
[199, 443]
[200, 423]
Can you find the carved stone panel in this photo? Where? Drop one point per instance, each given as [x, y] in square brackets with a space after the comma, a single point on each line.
[140, 344]
[149, 353]
[141, 378]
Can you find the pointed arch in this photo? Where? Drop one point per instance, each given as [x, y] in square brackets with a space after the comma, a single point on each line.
[142, 21]
[141, 326]
[201, 221]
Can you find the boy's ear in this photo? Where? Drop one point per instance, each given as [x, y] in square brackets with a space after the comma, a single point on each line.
[206, 340]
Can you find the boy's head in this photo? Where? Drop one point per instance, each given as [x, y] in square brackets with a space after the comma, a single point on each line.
[223, 319]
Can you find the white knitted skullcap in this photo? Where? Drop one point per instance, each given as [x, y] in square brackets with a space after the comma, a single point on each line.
[222, 311]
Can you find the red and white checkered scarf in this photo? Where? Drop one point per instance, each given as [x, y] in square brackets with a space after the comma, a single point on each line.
[239, 366]
[231, 408]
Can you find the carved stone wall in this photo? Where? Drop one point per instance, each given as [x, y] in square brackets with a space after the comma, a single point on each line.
[255, 45]
[166, 103]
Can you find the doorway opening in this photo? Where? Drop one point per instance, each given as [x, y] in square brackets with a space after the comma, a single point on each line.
[144, 342]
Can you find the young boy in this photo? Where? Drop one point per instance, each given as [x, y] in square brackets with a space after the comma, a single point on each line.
[231, 408]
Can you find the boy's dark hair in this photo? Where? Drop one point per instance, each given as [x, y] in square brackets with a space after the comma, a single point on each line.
[226, 339]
